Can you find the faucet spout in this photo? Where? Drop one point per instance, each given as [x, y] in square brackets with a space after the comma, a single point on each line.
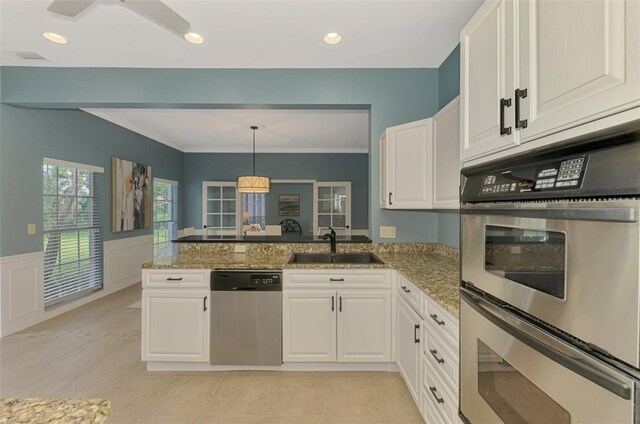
[332, 237]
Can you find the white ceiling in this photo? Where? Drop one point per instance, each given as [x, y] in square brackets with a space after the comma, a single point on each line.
[227, 130]
[241, 34]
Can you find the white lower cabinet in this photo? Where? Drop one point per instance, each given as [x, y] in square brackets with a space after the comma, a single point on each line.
[309, 326]
[364, 326]
[342, 326]
[409, 326]
[175, 325]
[337, 323]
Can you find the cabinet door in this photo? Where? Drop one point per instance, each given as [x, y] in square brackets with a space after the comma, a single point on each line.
[487, 76]
[175, 325]
[446, 153]
[409, 325]
[309, 326]
[579, 61]
[332, 206]
[409, 156]
[364, 326]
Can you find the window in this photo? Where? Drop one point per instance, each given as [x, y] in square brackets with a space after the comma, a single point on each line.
[333, 206]
[72, 230]
[165, 217]
[253, 208]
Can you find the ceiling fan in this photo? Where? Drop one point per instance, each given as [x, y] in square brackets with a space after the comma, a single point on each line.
[154, 10]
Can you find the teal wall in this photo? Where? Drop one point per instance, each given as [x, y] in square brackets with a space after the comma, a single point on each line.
[448, 89]
[28, 135]
[449, 78]
[393, 96]
[354, 167]
[305, 191]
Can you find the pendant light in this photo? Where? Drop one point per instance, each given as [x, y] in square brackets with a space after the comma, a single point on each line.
[253, 183]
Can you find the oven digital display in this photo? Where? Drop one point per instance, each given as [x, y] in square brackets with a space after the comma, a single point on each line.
[561, 174]
[533, 258]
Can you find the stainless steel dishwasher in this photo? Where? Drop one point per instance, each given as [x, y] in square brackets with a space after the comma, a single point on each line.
[246, 317]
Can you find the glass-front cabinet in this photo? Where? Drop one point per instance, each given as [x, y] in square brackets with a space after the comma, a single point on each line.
[333, 206]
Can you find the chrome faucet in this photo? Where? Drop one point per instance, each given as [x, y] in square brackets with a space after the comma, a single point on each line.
[332, 237]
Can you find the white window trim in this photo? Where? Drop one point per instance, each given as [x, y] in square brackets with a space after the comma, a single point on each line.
[68, 164]
[164, 180]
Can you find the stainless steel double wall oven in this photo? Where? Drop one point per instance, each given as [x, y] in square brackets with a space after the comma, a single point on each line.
[550, 307]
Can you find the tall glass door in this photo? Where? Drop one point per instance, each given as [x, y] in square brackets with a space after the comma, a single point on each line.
[333, 207]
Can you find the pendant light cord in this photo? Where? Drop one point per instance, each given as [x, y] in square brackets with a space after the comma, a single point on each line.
[254, 150]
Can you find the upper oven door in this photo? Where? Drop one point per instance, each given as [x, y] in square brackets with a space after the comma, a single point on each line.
[573, 265]
[513, 373]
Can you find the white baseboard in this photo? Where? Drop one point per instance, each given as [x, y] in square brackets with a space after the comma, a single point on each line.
[22, 282]
[287, 366]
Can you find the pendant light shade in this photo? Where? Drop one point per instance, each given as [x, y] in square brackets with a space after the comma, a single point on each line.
[253, 183]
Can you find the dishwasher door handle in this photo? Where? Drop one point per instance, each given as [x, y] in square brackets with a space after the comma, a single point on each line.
[243, 288]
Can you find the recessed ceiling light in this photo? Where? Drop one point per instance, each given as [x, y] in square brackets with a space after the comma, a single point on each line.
[55, 38]
[193, 38]
[332, 38]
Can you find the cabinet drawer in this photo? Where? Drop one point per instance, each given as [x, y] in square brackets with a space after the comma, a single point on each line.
[441, 357]
[410, 293]
[429, 410]
[176, 278]
[440, 394]
[442, 323]
[332, 278]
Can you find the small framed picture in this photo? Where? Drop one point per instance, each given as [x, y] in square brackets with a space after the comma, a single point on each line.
[289, 205]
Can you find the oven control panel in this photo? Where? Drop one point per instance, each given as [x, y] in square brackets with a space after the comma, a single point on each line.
[550, 176]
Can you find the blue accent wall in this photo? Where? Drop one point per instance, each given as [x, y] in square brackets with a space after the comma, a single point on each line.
[393, 96]
[28, 135]
[449, 78]
[354, 167]
[272, 204]
[448, 89]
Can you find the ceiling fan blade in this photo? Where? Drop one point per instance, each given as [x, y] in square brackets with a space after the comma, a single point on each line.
[161, 14]
[69, 8]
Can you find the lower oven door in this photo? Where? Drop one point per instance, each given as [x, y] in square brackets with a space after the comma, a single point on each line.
[512, 372]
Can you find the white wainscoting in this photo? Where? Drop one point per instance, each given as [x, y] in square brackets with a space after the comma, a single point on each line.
[21, 291]
[123, 261]
[22, 282]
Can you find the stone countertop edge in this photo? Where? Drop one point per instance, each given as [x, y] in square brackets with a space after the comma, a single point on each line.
[54, 411]
[435, 272]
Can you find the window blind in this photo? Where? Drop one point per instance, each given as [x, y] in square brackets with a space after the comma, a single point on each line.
[72, 231]
[165, 218]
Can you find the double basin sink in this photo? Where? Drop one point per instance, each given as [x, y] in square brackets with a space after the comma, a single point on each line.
[334, 258]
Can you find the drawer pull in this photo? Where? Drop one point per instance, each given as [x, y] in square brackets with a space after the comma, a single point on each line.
[432, 389]
[336, 279]
[435, 318]
[434, 353]
[405, 289]
[174, 279]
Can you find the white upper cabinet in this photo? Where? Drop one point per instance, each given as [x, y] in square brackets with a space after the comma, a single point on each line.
[406, 172]
[579, 61]
[446, 157]
[487, 80]
[541, 70]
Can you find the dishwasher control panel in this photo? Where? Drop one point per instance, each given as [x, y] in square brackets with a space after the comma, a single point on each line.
[265, 279]
[239, 280]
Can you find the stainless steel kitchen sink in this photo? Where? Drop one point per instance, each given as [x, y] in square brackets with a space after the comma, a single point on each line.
[334, 258]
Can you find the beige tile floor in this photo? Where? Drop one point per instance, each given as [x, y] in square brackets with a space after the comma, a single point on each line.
[94, 352]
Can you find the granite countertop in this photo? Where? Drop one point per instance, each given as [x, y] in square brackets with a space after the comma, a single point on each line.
[54, 411]
[434, 271]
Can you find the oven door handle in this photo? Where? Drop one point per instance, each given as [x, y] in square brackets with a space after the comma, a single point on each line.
[613, 214]
[549, 346]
